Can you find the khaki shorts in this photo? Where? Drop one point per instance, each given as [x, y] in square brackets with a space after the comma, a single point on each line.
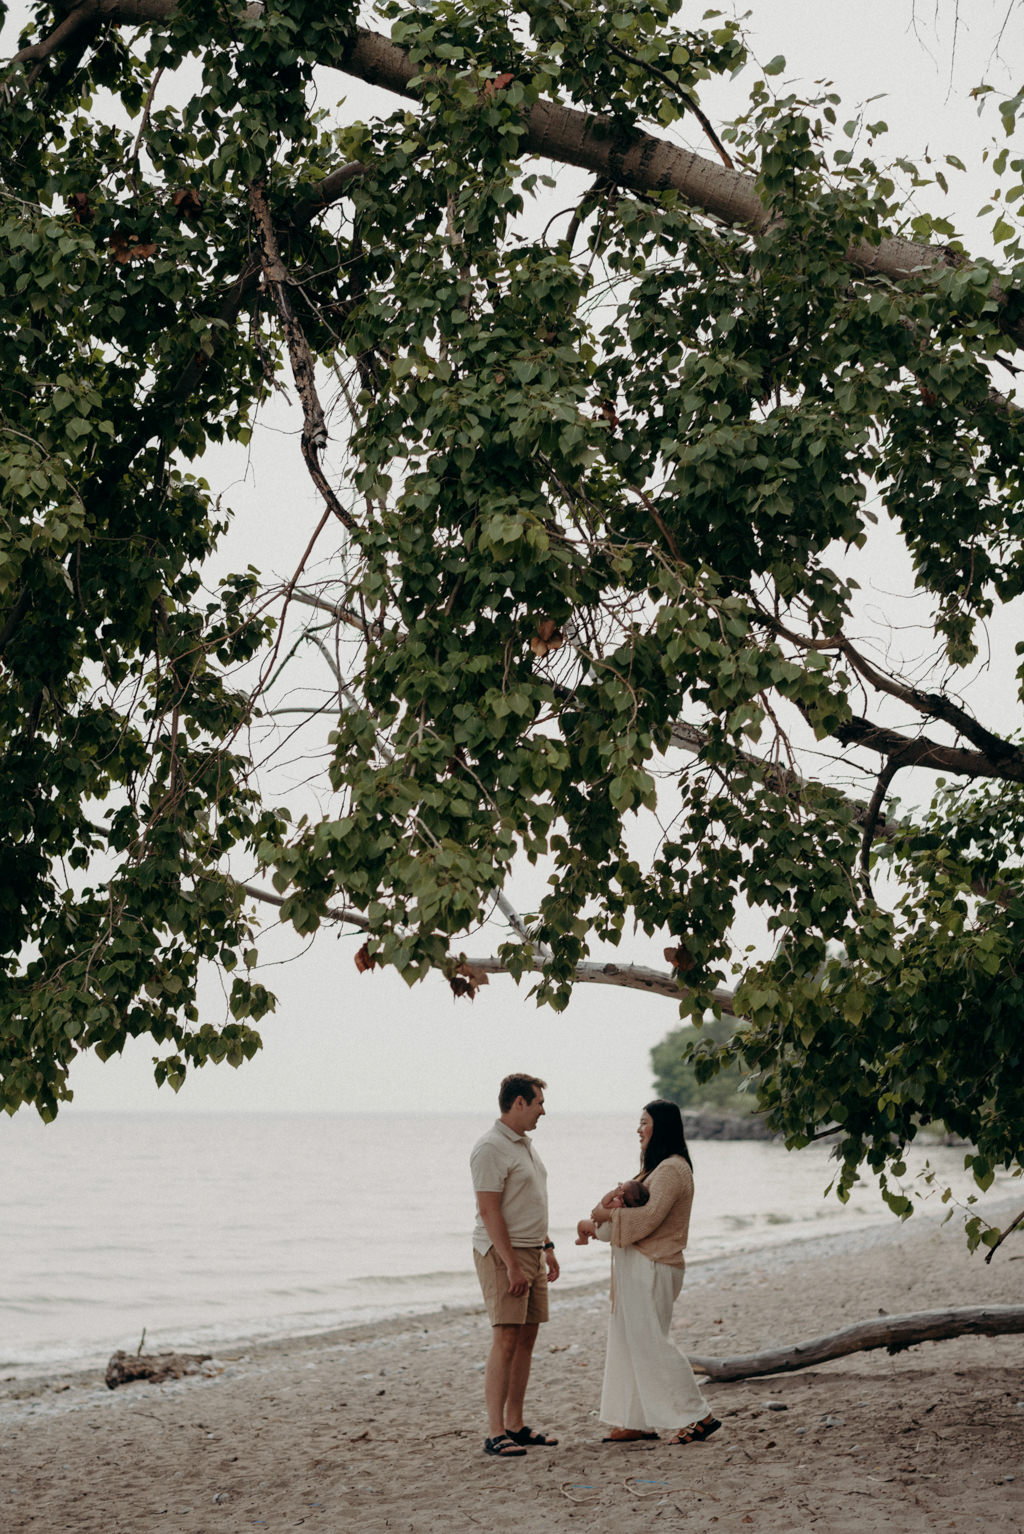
[504, 1309]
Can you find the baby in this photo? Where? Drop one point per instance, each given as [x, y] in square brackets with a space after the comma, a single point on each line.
[628, 1195]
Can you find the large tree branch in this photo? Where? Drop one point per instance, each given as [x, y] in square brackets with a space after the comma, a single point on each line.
[935, 705]
[326, 192]
[922, 752]
[71, 34]
[633, 976]
[932, 705]
[892, 1332]
[778, 777]
[640, 161]
[885, 777]
[630, 158]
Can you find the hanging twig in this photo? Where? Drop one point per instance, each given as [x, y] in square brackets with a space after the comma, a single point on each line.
[601, 185]
[874, 809]
[684, 96]
[314, 427]
[133, 158]
[997, 1244]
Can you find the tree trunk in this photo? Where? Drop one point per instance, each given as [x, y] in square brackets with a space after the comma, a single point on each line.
[891, 1332]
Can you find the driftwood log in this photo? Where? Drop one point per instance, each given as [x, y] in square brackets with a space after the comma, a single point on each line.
[126, 1368]
[892, 1332]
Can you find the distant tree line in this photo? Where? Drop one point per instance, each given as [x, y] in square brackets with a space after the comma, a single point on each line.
[675, 1071]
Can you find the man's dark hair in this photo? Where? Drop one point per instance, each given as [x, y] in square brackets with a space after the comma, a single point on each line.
[518, 1086]
[668, 1138]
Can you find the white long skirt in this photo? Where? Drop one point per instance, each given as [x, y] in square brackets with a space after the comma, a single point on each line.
[648, 1383]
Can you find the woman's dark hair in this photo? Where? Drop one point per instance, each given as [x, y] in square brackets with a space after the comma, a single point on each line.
[668, 1137]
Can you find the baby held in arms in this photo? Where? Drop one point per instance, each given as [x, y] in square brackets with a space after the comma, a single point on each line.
[628, 1195]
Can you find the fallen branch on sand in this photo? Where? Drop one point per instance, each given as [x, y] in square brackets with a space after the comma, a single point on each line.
[126, 1368]
[892, 1332]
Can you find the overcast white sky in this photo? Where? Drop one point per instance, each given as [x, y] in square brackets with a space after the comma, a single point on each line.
[345, 1041]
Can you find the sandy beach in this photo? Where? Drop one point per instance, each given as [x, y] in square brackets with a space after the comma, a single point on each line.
[374, 1431]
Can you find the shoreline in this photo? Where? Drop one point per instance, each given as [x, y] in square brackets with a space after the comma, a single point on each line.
[31, 1379]
[90, 1363]
[379, 1429]
[218, 1266]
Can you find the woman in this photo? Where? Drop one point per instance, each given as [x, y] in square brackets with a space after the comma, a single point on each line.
[648, 1384]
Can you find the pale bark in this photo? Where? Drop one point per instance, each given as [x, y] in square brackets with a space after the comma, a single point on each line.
[892, 1332]
[331, 913]
[634, 977]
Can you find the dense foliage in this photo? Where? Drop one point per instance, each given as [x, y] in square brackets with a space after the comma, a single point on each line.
[607, 458]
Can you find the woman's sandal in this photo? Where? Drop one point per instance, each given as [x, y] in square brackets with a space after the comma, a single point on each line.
[503, 1446]
[697, 1432]
[529, 1439]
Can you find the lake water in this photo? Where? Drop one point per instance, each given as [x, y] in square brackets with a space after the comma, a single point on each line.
[207, 1229]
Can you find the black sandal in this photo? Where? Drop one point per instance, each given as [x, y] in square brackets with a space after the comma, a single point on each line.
[503, 1447]
[697, 1432]
[528, 1438]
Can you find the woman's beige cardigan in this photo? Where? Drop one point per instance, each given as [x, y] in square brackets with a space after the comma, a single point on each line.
[660, 1227]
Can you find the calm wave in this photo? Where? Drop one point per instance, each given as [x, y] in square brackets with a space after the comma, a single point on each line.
[202, 1230]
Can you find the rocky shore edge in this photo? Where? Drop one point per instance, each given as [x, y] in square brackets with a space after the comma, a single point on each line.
[712, 1124]
[716, 1124]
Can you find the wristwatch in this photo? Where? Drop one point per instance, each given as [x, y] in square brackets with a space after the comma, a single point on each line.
[548, 1246]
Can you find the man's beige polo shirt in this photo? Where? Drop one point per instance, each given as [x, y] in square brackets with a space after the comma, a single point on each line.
[503, 1162]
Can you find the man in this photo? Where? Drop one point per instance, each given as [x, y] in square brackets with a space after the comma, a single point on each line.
[515, 1258]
